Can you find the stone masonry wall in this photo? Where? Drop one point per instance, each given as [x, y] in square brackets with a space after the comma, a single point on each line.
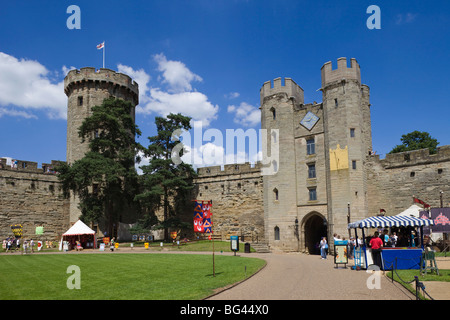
[31, 196]
[237, 195]
[393, 181]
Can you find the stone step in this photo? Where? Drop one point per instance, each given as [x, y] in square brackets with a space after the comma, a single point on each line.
[261, 247]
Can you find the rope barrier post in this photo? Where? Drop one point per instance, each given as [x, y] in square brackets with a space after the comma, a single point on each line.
[416, 278]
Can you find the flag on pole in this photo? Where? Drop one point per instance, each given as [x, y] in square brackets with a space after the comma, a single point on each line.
[102, 46]
[202, 217]
[425, 205]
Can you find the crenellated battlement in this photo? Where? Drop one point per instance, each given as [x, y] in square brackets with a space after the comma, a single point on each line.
[290, 88]
[229, 169]
[89, 74]
[28, 166]
[342, 72]
[415, 157]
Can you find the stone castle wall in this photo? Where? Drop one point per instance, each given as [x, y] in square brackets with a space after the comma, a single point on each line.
[393, 181]
[237, 194]
[32, 197]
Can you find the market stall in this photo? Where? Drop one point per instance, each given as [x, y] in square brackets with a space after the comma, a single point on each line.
[79, 234]
[405, 255]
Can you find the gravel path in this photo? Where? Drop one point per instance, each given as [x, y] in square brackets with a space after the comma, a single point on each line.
[307, 277]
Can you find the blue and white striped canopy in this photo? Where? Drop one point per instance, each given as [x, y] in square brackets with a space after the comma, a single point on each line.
[391, 221]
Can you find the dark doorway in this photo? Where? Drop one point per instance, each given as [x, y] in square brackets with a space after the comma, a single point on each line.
[315, 229]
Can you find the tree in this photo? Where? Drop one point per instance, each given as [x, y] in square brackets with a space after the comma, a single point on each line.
[416, 140]
[105, 179]
[164, 183]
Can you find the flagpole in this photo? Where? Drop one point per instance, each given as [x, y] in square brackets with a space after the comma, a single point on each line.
[104, 47]
[212, 238]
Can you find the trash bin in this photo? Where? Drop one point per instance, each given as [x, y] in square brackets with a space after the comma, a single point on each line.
[247, 247]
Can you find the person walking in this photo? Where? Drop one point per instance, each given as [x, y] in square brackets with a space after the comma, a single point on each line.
[376, 244]
[323, 247]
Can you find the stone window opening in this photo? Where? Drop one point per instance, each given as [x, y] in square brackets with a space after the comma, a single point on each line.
[312, 194]
[80, 101]
[311, 171]
[274, 113]
[412, 174]
[336, 104]
[352, 132]
[354, 164]
[275, 192]
[276, 233]
[310, 146]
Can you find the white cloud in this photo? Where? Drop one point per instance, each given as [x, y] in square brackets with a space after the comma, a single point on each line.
[175, 74]
[16, 113]
[192, 104]
[232, 95]
[26, 84]
[245, 114]
[405, 18]
[178, 98]
[141, 77]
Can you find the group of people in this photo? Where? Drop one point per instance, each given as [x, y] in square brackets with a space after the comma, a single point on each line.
[351, 244]
[12, 243]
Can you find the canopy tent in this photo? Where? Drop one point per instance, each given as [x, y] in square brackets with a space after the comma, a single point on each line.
[413, 211]
[391, 221]
[78, 230]
[407, 258]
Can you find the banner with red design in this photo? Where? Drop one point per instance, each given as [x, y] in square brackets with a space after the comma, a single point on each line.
[202, 216]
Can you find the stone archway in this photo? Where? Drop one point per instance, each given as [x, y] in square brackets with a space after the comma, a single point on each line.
[313, 229]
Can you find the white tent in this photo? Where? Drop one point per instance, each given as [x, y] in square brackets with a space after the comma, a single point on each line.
[412, 211]
[81, 230]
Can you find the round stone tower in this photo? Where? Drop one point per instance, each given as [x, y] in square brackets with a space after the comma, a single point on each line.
[86, 88]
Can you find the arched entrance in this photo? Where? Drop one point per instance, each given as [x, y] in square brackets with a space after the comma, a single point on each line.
[314, 228]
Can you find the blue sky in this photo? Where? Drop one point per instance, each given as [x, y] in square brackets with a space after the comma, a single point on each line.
[208, 59]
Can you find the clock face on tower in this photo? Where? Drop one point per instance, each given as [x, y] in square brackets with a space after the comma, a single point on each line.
[309, 120]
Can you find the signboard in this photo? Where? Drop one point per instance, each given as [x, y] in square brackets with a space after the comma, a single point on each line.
[102, 247]
[39, 230]
[106, 240]
[234, 243]
[146, 245]
[340, 252]
[173, 234]
[441, 219]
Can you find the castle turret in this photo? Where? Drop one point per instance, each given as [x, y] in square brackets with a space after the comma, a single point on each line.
[278, 104]
[86, 88]
[347, 142]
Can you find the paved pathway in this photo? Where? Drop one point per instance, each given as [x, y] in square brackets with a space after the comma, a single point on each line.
[307, 277]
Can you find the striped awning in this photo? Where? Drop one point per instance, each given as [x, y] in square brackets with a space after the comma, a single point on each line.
[391, 221]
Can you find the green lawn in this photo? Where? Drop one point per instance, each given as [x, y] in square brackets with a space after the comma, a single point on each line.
[406, 276]
[120, 276]
[202, 245]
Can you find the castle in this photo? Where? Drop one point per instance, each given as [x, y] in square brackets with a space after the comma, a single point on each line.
[326, 174]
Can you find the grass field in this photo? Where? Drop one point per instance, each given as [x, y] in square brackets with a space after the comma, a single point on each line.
[120, 276]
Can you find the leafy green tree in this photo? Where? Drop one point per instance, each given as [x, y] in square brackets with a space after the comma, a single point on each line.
[166, 183]
[105, 179]
[416, 140]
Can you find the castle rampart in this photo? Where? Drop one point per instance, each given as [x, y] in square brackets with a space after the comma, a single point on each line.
[290, 88]
[32, 196]
[237, 194]
[106, 76]
[393, 181]
[342, 72]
